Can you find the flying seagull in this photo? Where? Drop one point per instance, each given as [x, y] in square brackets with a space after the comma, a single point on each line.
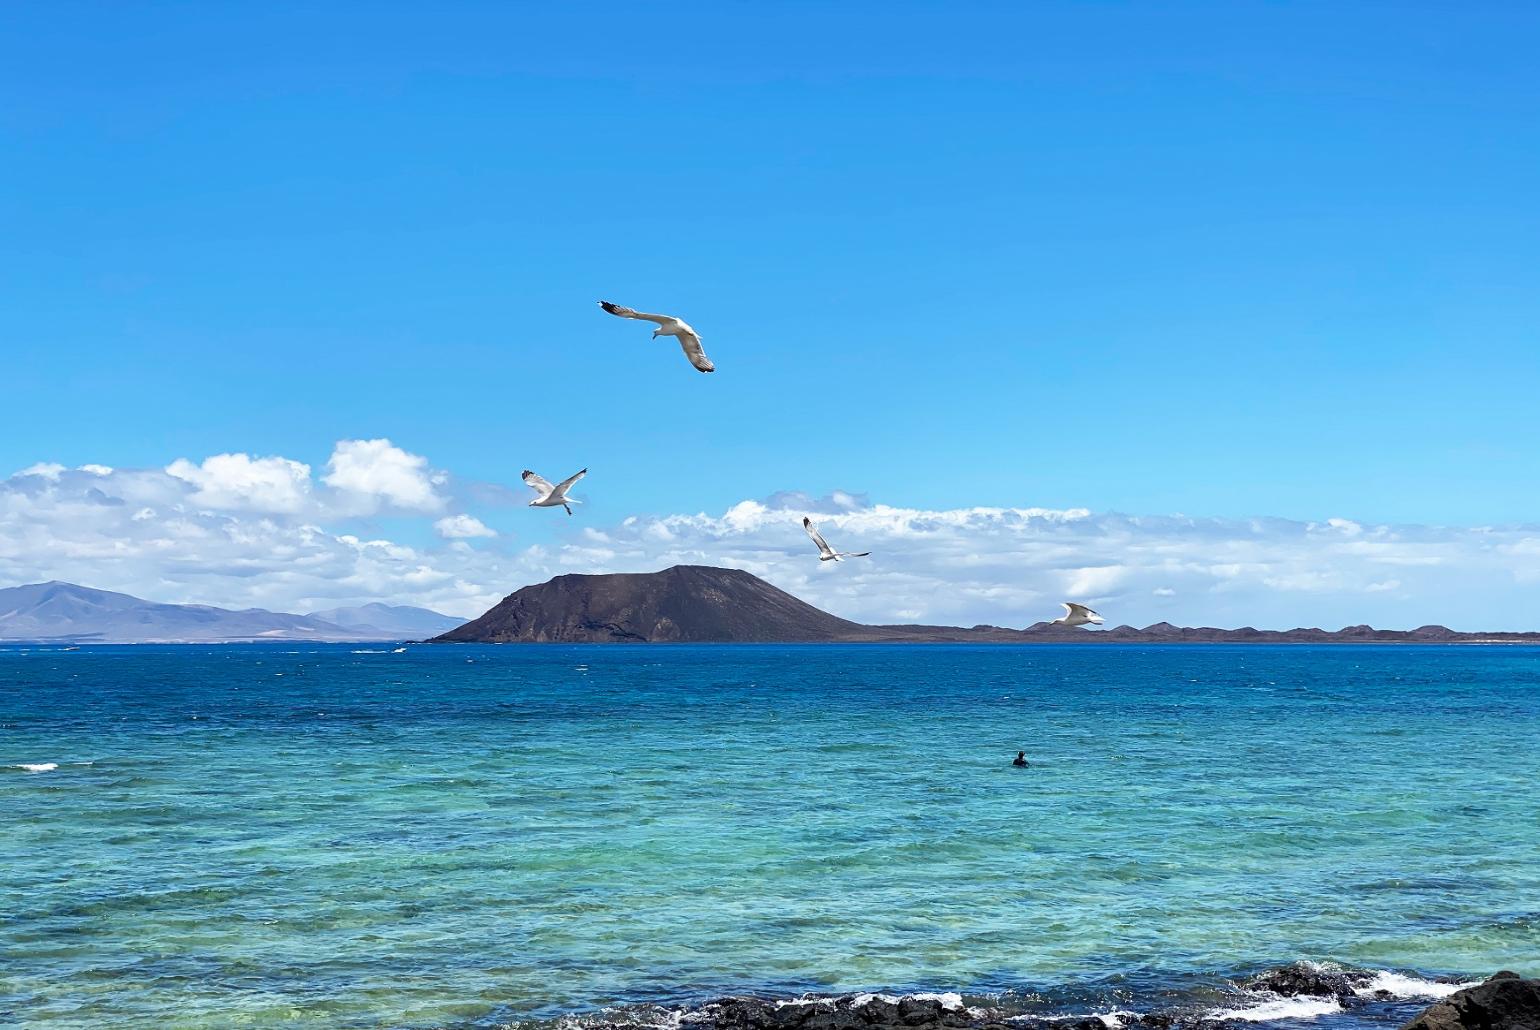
[825, 552]
[551, 496]
[668, 325]
[1076, 615]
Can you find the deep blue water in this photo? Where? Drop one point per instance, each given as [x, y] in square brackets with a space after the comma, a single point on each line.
[268, 835]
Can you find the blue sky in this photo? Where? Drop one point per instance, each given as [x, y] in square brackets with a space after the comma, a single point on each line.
[1228, 260]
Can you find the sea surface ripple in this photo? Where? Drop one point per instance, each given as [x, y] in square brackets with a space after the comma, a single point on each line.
[268, 835]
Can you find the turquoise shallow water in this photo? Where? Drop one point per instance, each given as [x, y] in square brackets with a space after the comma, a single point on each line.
[265, 836]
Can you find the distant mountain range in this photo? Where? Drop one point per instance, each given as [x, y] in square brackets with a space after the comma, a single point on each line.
[398, 621]
[701, 604]
[67, 612]
[683, 604]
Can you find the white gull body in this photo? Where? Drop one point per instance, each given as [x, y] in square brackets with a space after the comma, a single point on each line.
[548, 496]
[1077, 615]
[825, 552]
[668, 325]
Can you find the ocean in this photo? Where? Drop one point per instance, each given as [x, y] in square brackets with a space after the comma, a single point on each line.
[476, 836]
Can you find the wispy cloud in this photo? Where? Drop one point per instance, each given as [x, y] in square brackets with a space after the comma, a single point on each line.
[240, 530]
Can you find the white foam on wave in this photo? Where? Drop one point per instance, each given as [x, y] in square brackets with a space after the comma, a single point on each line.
[1280, 1008]
[1113, 1019]
[665, 1019]
[949, 999]
[797, 1002]
[1402, 986]
[37, 767]
[652, 1018]
[866, 999]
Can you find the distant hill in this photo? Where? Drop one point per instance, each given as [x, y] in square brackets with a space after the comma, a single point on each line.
[701, 604]
[67, 612]
[693, 603]
[400, 621]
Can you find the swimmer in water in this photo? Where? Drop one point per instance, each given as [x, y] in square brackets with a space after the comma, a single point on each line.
[1021, 760]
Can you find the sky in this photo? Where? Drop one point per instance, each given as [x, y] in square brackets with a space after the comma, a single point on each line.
[1218, 313]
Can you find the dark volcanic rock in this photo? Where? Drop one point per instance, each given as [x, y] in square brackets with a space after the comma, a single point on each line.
[1505, 1002]
[857, 1012]
[684, 603]
[1303, 978]
[885, 1012]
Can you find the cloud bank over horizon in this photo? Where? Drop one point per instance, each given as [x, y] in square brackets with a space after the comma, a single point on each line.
[241, 531]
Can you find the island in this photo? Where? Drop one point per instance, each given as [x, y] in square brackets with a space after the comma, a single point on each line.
[704, 604]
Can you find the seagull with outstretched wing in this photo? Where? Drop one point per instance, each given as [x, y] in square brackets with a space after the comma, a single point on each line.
[825, 552]
[1077, 615]
[668, 325]
[549, 496]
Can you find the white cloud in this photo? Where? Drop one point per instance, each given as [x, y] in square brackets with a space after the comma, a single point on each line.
[178, 547]
[45, 469]
[1011, 566]
[241, 531]
[239, 482]
[462, 527]
[373, 474]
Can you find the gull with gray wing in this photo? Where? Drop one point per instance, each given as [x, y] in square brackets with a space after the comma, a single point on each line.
[548, 496]
[668, 325]
[825, 552]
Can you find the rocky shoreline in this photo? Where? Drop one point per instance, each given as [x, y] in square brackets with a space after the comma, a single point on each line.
[1506, 1001]
[1297, 992]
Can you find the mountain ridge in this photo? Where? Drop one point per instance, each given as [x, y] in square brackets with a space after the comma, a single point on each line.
[392, 620]
[705, 604]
